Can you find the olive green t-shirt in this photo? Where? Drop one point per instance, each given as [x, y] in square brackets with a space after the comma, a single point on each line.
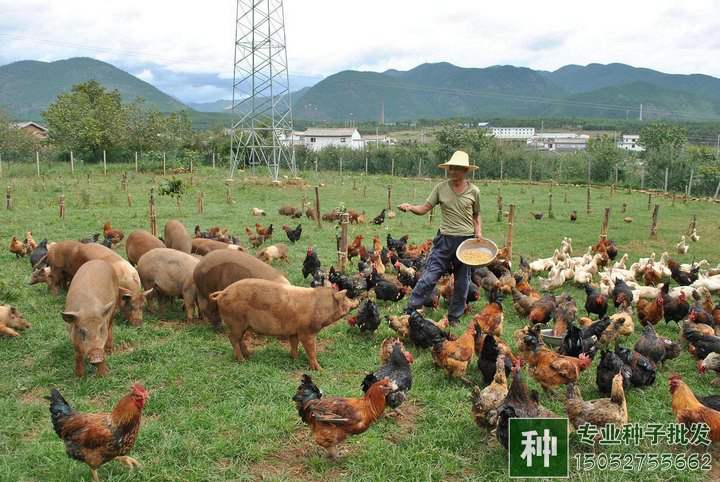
[458, 210]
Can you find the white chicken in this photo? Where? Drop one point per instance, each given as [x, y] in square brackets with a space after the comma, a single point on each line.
[682, 246]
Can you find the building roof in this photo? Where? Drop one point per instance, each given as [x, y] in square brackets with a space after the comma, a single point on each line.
[329, 132]
[22, 125]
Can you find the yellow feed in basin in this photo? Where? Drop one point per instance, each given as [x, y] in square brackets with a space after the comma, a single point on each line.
[473, 257]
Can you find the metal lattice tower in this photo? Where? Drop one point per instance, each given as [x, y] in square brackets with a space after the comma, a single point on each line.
[262, 129]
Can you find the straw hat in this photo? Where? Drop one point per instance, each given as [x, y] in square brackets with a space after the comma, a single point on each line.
[460, 159]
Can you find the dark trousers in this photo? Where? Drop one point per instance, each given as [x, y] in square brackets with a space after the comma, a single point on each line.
[441, 260]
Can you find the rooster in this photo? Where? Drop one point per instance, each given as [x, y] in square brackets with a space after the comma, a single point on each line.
[367, 318]
[255, 239]
[293, 235]
[356, 248]
[490, 319]
[380, 218]
[311, 264]
[97, 438]
[674, 309]
[395, 368]
[425, 333]
[550, 369]
[688, 410]
[596, 302]
[265, 232]
[333, 419]
[114, 234]
[18, 248]
[454, 355]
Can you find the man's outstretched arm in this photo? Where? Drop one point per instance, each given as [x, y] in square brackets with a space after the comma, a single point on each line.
[419, 209]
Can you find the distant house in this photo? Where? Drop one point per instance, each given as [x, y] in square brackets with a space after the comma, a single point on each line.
[559, 141]
[512, 132]
[630, 142]
[33, 128]
[316, 139]
[379, 140]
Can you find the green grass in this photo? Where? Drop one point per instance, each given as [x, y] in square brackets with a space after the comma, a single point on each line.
[211, 418]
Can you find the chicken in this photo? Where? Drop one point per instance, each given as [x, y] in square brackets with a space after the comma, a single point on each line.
[490, 319]
[354, 249]
[97, 438]
[542, 310]
[367, 318]
[538, 216]
[650, 312]
[293, 235]
[485, 279]
[115, 234]
[710, 362]
[377, 262]
[487, 349]
[651, 277]
[401, 324]
[406, 275]
[311, 213]
[521, 303]
[380, 218]
[333, 419]
[413, 251]
[642, 369]
[199, 233]
[700, 346]
[674, 309]
[30, 242]
[91, 239]
[688, 410]
[609, 366]
[485, 402]
[396, 368]
[454, 355]
[519, 403]
[621, 293]
[387, 291]
[656, 348]
[265, 232]
[523, 286]
[595, 303]
[425, 333]
[681, 277]
[18, 248]
[397, 245]
[682, 246]
[573, 216]
[574, 343]
[257, 212]
[311, 264]
[600, 412]
[622, 324]
[354, 286]
[255, 239]
[550, 369]
[564, 314]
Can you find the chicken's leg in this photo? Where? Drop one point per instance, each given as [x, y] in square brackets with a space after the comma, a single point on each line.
[94, 474]
[129, 461]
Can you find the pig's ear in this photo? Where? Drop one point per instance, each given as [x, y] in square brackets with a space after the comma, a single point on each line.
[125, 294]
[340, 295]
[107, 310]
[70, 316]
[146, 293]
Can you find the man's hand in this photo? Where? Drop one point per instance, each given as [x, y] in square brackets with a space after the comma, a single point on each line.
[405, 207]
[478, 233]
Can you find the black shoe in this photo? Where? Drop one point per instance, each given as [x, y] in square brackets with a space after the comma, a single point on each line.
[453, 321]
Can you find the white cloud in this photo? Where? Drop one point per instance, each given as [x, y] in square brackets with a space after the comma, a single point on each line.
[325, 36]
[146, 75]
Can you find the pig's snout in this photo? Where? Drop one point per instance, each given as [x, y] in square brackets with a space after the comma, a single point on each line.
[96, 356]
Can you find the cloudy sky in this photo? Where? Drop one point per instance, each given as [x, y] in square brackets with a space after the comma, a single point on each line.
[186, 48]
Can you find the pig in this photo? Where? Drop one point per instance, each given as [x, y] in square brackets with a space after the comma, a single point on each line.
[276, 309]
[218, 269]
[132, 296]
[40, 275]
[60, 258]
[287, 210]
[203, 246]
[91, 302]
[169, 273]
[276, 251]
[177, 237]
[140, 242]
[11, 320]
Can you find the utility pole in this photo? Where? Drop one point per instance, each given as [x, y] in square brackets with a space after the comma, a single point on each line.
[641, 112]
[717, 147]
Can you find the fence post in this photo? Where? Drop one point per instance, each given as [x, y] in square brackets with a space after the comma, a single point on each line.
[1, 165]
[343, 251]
[163, 163]
[8, 198]
[689, 188]
[420, 167]
[153, 219]
[392, 167]
[588, 199]
[201, 203]
[228, 197]
[531, 166]
[191, 167]
[499, 206]
[606, 220]
[717, 190]
[502, 162]
[366, 164]
[104, 163]
[649, 200]
[72, 163]
[692, 225]
[136, 161]
[509, 239]
[642, 177]
[667, 170]
[317, 202]
[341, 167]
[129, 200]
[62, 206]
[389, 205]
[37, 162]
[653, 227]
[550, 210]
[213, 159]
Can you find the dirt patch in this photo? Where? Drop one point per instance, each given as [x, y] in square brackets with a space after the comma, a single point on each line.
[405, 421]
[34, 396]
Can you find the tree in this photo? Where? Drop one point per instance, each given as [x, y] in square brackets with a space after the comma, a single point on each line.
[450, 138]
[15, 143]
[88, 119]
[663, 147]
[604, 156]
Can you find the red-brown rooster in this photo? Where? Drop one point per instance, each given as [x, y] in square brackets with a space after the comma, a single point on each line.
[115, 235]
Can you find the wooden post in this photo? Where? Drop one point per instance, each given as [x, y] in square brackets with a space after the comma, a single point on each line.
[136, 161]
[667, 171]
[612, 191]
[72, 163]
[653, 227]
[129, 200]
[124, 181]
[389, 204]
[689, 186]
[624, 207]
[550, 210]
[153, 218]
[201, 203]
[316, 165]
[191, 166]
[499, 206]
[530, 173]
[343, 252]
[37, 162]
[420, 167]
[366, 164]
[317, 203]
[341, 166]
[509, 239]
[649, 200]
[213, 160]
[717, 189]
[228, 197]
[8, 198]
[606, 220]
[692, 225]
[163, 163]
[616, 175]
[62, 206]
[392, 167]
[501, 168]
[588, 199]
[104, 163]
[354, 184]
[642, 177]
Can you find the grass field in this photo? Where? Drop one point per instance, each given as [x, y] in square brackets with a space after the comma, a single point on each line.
[211, 418]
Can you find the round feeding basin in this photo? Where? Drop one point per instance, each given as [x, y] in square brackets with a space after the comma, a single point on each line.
[549, 339]
[476, 251]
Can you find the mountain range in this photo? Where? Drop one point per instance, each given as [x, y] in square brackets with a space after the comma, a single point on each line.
[428, 91]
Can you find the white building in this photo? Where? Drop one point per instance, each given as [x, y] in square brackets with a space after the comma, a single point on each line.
[512, 132]
[316, 139]
[379, 140]
[559, 141]
[630, 142]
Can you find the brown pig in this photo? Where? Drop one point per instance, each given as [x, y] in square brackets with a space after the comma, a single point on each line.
[276, 251]
[60, 260]
[177, 237]
[140, 242]
[220, 268]
[203, 246]
[11, 320]
[169, 273]
[90, 305]
[276, 309]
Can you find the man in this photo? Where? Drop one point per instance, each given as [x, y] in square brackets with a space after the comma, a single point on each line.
[460, 207]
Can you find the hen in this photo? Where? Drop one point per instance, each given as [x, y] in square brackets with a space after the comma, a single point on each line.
[265, 232]
[97, 438]
[380, 218]
[255, 239]
[650, 312]
[609, 366]
[311, 264]
[397, 369]
[598, 412]
[674, 309]
[550, 369]
[490, 318]
[367, 318]
[688, 409]
[401, 324]
[575, 342]
[656, 348]
[621, 293]
[397, 245]
[114, 234]
[18, 248]
[333, 419]
[485, 402]
[425, 333]
[683, 278]
[522, 303]
[487, 349]
[700, 346]
[542, 310]
[595, 303]
[642, 369]
[454, 355]
[293, 235]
